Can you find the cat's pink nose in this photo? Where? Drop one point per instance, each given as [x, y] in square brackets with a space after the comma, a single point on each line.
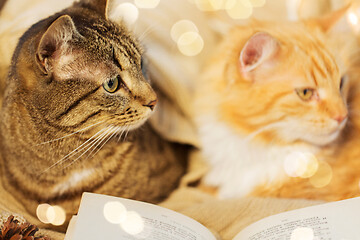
[151, 104]
[340, 118]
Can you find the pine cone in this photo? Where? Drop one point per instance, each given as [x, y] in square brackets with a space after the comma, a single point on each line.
[12, 230]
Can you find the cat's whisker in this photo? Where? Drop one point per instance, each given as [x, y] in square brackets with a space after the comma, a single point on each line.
[89, 143]
[148, 30]
[96, 142]
[99, 139]
[79, 131]
[90, 155]
[127, 132]
[73, 152]
[120, 135]
[108, 138]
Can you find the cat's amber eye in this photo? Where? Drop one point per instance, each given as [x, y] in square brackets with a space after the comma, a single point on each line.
[112, 84]
[305, 93]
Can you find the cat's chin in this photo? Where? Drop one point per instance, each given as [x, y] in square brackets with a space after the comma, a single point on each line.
[313, 135]
[133, 125]
[323, 140]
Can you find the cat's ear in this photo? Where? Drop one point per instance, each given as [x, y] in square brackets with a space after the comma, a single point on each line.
[328, 21]
[100, 6]
[54, 39]
[258, 50]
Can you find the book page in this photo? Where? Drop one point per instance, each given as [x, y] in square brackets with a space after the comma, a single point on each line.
[70, 228]
[106, 217]
[331, 221]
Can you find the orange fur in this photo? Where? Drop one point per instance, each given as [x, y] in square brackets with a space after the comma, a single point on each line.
[294, 69]
[344, 161]
[251, 95]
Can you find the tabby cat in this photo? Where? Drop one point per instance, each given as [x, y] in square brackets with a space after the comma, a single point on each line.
[74, 115]
[273, 90]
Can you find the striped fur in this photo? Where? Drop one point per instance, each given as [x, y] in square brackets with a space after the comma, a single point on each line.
[62, 133]
[251, 118]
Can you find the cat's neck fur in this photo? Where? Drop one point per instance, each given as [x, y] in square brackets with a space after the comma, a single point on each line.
[253, 162]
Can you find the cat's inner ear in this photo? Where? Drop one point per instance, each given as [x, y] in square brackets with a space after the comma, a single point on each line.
[259, 49]
[54, 41]
[100, 6]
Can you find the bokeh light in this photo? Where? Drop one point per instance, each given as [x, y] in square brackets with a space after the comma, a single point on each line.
[134, 224]
[59, 215]
[127, 12]
[229, 4]
[352, 18]
[131, 222]
[311, 165]
[242, 9]
[181, 27]
[190, 44]
[115, 212]
[147, 3]
[257, 3]
[323, 175]
[187, 37]
[41, 211]
[301, 164]
[204, 5]
[217, 4]
[48, 214]
[236, 9]
[302, 233]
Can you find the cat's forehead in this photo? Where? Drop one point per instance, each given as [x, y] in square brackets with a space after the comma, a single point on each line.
[105, 38]
[313, 60]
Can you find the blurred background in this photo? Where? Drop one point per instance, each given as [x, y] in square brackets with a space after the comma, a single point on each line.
[178, 36]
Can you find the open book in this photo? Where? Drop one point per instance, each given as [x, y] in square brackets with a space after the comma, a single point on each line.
[106, 217]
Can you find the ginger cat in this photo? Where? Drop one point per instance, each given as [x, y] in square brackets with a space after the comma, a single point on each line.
[273, 91]
[337, 177]
[74, 115]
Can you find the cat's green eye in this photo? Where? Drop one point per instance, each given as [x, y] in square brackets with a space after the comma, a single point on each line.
[112, 84]
[305, 93]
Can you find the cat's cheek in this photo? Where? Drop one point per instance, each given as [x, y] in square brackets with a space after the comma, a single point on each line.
[136, 124]
[322, 139]
[343, 124]
[147, 114]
